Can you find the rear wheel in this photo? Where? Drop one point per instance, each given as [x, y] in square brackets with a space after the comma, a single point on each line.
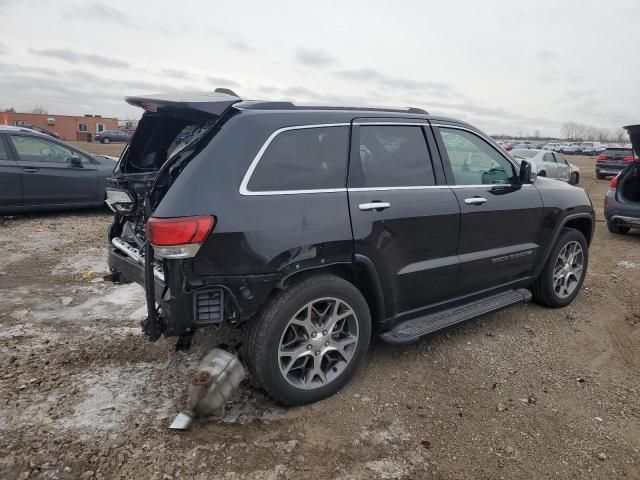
[565, 270]
[542, 174]
[309, 341]
[106, 140]
[617, 229]
[600, 176]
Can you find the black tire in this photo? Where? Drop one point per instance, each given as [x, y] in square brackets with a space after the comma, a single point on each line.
[574, 179]
[617, 229]
[262, 338]
[542, 174]
[543, 288]
[105, 140]
[600, 176]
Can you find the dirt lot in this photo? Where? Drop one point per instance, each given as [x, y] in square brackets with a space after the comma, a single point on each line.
[527, 392]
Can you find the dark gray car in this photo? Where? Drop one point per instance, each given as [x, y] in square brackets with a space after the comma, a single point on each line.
[38, 172]
[622, 201]
[115, 136]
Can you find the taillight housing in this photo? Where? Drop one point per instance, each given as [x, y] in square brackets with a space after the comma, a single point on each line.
[179, 237]
[614, 183]
[601, 158]
[628, 158]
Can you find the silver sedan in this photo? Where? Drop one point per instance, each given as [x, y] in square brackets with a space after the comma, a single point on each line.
[549, 164]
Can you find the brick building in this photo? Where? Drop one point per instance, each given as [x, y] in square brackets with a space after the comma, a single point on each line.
[69, 127]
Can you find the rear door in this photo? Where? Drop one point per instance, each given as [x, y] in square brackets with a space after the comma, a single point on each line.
[49, 177]
[564, 170]
[550, 165]
[10, 178]
[404, 217]
[500, 218]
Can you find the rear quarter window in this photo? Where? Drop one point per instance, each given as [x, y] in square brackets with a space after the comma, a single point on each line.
[303, 159]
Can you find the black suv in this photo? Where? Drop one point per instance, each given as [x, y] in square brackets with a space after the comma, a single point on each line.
[316, 228]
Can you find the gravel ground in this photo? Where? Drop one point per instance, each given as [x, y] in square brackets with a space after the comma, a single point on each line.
[523, 393]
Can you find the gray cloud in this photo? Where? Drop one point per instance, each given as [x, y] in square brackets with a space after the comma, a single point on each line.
[546, 55]
[371, 75]
[96, 11]
[240, 45]
[314, 58]
[78, 57]
[3, 49]
[175, 73]
[222, 82]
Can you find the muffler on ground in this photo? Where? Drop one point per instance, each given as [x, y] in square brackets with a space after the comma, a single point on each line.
[218, 376]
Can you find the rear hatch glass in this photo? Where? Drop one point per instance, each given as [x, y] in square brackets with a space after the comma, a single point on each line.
[634, 134]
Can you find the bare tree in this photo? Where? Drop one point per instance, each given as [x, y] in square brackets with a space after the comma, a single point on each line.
[536, 134]
[620, 135]
[10, 110]
[39, 109]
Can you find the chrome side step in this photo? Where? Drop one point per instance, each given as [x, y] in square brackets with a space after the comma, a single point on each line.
[412, 330]
[136, 255]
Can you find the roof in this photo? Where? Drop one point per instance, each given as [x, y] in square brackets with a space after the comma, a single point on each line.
[11, 128]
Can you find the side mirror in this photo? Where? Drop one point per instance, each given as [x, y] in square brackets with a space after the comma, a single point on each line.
[528, 172]
[75, 161]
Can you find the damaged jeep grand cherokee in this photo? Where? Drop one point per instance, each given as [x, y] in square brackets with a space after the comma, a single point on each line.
[316, 228]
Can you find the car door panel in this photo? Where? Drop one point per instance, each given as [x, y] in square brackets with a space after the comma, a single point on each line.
[412, 239]
[500, 218]
[46, 179]
[10, 177]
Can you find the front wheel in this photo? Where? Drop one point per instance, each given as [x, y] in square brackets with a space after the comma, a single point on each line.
[309, 341]
[106, 140]
[565, 270]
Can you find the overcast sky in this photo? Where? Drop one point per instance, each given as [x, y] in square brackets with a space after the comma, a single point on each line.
[505, 66]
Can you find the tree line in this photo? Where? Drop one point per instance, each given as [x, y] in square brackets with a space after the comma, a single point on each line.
[578, 132]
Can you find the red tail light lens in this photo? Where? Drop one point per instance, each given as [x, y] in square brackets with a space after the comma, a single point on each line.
[601, 158]
[614, 182]
[179, 231]
[628, 159]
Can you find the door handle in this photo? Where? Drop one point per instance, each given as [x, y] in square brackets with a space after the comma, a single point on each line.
[30, 170]
[475, 200]
[373, 206]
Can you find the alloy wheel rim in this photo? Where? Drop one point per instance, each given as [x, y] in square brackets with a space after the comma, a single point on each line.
[318, 343]
[568, 269]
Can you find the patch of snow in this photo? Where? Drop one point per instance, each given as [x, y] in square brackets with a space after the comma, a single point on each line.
[628, 264]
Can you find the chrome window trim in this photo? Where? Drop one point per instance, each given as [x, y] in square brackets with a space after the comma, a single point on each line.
[244, 190]
[434, 187]
[425, 123]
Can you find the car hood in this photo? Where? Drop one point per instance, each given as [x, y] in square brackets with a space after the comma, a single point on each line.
[634, 135]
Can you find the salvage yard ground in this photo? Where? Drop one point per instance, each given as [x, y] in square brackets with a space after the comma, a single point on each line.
[525, 393]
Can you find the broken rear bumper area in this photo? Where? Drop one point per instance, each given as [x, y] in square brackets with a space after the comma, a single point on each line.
[185, 301]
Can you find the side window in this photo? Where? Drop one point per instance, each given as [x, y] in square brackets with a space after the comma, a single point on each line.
[391, 156]
[560, 159]
[4, 155]
[303, 159]
[473, 160]
[549, 158]
[34, 149]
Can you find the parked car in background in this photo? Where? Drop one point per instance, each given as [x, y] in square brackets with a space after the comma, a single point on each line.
[549, 164]
[224, 237]
[622, 200]
[590, 148]
[38, 172]
[552, 146]
[520, 146]
[116, 136]
[41, 130]
[612, 161]
[570, 149]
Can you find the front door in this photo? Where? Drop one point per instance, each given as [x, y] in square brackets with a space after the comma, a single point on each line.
[403, 216]
[564, 170]
[48, 175]
[500, 222]
[10, 181]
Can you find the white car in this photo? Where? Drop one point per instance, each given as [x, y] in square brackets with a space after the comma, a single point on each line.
[552, 146]
[549, 164]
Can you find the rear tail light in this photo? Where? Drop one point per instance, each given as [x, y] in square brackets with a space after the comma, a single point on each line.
[601, 158]
[178, 237]
[628, 159]
[614, 183]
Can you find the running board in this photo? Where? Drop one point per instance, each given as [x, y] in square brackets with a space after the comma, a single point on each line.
[412, 330]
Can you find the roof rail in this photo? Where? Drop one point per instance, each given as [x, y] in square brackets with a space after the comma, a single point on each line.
[275, 105]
